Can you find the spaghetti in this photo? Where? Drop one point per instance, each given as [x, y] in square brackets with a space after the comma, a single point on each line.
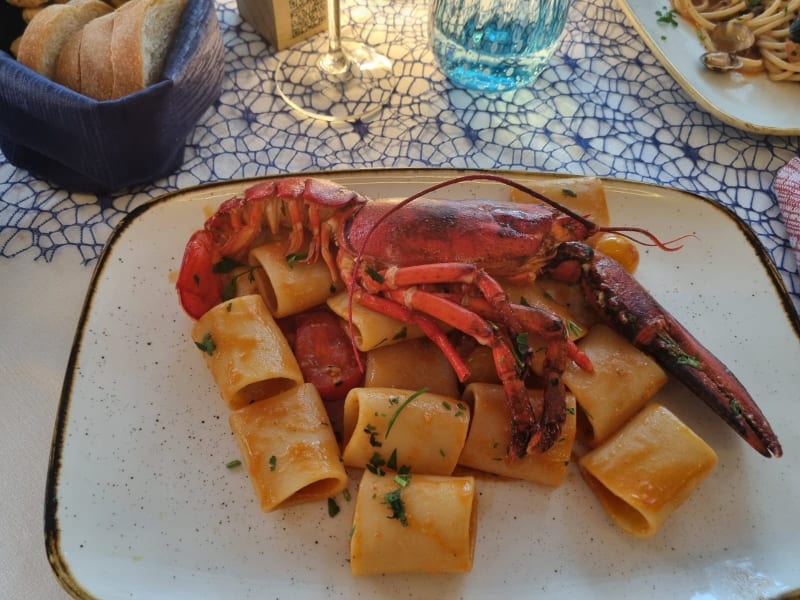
[774, 52]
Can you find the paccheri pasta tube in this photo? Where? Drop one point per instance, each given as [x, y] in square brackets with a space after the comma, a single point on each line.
[647, 469]
[423, 431]
[413, 364]
[413, 523]
[287, 283]
[623, 381]
[372, 329]
[486, 448]
[246, 351]
[289, 448]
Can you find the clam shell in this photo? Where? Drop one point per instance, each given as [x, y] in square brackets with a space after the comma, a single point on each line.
[721, 61]
[732, 36]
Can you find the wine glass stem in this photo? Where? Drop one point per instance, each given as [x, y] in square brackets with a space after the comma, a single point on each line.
[334, 61]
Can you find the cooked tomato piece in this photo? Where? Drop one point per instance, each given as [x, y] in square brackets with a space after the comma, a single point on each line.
[325, 354]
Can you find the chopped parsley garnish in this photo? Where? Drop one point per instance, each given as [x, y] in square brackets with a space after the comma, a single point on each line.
[666, 16]
[232, 464]
[226, 265]
[207, 344]
[397, 505]
[375, 275]
[333, 508]
[376, 464]
[521, 344]
[400, 408]
[403, 477]
[229, 289]
[679, 354]
[686, 359]
[573, 328]
[569, 192]
[372, 431]
[392, 462]
[520, 351]
[293, 257]
[273, 462]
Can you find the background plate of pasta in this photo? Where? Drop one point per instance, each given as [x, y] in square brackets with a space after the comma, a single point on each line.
[169, 478]
[761, 98]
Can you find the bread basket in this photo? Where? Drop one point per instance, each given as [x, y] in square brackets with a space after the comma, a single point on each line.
[82, 144]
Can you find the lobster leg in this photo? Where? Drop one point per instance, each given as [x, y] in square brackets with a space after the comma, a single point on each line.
[428, 326]
[627, 307]
[559, 349]
[526, 433]
[494, 322]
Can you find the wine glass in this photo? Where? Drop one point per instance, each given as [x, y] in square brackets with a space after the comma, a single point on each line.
[335, 79]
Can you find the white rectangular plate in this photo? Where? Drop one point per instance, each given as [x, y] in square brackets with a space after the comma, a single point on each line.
[140, 504]
[750, 102]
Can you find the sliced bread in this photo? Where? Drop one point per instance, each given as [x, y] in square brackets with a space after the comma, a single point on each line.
[142, 36]
[49, 30]
[96, 76]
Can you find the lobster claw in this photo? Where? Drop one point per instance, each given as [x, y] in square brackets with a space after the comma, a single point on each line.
[627, 307]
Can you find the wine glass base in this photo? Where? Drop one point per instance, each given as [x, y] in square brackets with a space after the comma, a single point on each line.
[314, 86]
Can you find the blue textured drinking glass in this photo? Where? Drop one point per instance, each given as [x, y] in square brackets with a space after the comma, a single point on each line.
[495, 45]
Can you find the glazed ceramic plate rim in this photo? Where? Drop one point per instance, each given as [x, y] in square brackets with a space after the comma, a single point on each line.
[139, 502]
[752, 103]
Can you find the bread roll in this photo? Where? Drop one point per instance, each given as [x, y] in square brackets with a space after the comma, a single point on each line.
[49, 30]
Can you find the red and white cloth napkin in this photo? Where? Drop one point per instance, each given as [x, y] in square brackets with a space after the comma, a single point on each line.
[787, 190]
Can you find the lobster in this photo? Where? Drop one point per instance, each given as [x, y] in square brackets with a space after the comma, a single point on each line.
[434, 262]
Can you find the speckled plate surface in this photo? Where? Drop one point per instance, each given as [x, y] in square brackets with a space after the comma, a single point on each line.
[753, 103]
[139, 502]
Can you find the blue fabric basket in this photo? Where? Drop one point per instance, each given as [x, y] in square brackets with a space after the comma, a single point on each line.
[82, 144]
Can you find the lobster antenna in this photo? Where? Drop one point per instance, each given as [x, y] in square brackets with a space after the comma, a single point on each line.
[590, 225]
[668, 246]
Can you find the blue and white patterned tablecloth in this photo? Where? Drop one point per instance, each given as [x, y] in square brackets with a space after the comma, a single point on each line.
[605, 107]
